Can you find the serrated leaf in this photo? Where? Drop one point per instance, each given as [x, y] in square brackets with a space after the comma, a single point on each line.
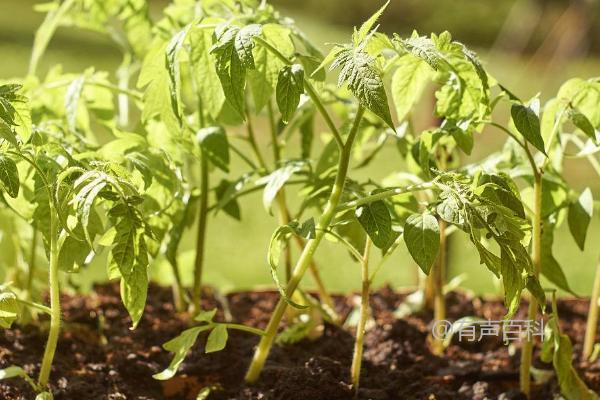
[244, 43]
[364, 81]
[217, 339]
[528, 124]
[376, 221]
[422, 238]
[214, 144]
[231, 70]
[580, 216]
[134, 286]
[367, 26]
[9, 176]
[290, 85]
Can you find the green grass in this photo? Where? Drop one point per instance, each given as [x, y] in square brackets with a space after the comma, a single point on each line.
[236, 251]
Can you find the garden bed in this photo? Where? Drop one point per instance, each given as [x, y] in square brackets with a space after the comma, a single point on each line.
[100, 358]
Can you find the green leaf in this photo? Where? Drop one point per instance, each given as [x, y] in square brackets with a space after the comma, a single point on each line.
[582, 122]
[358, 70]
[172, 54]
[206, 316]
[244, 43]
[134, 287]
[551, 269]
[180, 346]
[580, 216]
[275, 181]
[376, 221]
[571, 385]
[422, 238]
[9, 311]
[408, 82]
[9, 176]
[367, 26]
[214, 144]
[7, 134]
[231, 206]
[290, 85]
[217, 339]
[278, 240]
[528, 124]
[72, 97]
[231, 70]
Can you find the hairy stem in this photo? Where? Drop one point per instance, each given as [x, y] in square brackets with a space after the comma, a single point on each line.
[201, 234]
[266, 342]
[439, 300]
[55, 315]
[536, 248]
[592, 322]
[362, 322]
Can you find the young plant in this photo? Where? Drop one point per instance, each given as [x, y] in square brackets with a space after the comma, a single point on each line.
[66, 195]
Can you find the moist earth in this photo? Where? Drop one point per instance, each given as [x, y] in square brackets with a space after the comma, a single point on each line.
[99, 357]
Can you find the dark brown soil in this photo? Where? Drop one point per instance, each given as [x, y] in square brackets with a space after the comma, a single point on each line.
[100, 358]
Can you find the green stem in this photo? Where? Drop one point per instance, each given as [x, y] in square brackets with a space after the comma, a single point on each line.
[592, 322]
[32, 262]
[245, 328]
[201, 233]
[37, 306]
[312, 93]
[54, 303]
[438, 279]
[252, 140]
[384, 195]
[536, 248]
[283, 213]
[178, 290]
[264, 347]
[362, 322]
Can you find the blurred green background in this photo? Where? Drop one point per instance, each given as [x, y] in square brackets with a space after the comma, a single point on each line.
[530, 46]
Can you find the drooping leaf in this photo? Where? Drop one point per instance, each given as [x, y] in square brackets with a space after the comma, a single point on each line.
[231, 70]
[172, 55]
[276, 180]
[376, 221]
[422, 238]
[214, 144]
[72, 97]
[231, 207]
[580, 216]
[551, 269]
[582, 122]
[9, 176]
[290, 85]
[528, 124]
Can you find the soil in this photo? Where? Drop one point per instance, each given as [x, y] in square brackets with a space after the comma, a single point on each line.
[99, 357]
